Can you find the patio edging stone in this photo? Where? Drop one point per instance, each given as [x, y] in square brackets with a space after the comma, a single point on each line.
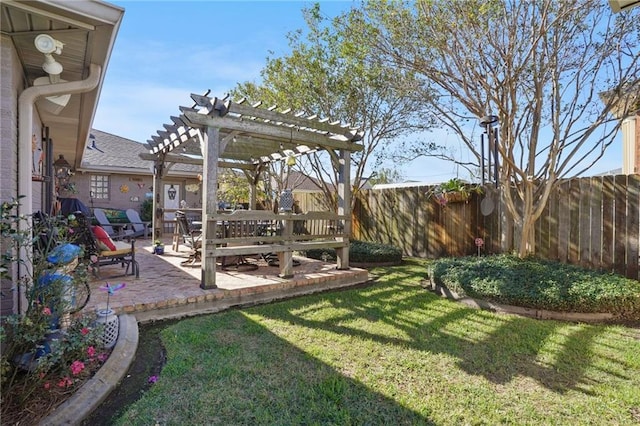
[227, 299]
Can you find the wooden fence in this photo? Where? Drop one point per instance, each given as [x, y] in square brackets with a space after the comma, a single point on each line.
[594, 222]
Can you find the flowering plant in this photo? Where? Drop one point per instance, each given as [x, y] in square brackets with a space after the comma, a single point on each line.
[479, 243]
[47, 349]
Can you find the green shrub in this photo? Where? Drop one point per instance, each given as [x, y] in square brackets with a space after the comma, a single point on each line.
[146, 210]
[361, 252]
[539, 284]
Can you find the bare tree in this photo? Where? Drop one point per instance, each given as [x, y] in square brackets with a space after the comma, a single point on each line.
[328, 73]
[540, 66]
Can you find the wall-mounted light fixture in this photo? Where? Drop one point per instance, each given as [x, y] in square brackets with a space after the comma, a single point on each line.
[48, 46]
[172, 193]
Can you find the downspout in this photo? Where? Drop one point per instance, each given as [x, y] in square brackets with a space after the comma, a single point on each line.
[26, 103]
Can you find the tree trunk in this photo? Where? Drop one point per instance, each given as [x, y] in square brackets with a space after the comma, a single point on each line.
[528, 240]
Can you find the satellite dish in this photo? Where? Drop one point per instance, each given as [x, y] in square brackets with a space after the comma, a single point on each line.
[487, 205]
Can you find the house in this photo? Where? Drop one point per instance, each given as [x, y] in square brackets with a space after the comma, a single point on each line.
[112, 175]
[54, 56]
[618, 6]
[307, 191]
[628, 111]
[631, 144]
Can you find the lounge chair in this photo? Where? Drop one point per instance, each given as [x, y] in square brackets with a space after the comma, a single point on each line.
[140, 228]
[121, 253]
[109, 227]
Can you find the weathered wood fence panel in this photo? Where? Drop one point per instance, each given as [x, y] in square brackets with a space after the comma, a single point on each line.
[593, 222]
[408, 218]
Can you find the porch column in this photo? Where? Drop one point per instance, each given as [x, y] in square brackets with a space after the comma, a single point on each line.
[344, 206]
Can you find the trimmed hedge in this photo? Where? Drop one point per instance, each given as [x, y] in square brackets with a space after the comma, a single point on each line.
[361, 252]
[539, 284]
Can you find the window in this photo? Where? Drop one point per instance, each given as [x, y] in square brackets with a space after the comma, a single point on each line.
[100, 187]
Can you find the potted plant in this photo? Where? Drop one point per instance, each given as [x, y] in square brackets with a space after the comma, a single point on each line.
[158, 247]
[453, 190]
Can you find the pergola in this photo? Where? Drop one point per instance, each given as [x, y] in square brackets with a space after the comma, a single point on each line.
[219, 133]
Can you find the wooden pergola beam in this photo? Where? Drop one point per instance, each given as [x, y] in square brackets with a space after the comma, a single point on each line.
[274, 131]
[175, 158]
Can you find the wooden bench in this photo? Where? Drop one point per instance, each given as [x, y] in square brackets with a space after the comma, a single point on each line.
[249, 232]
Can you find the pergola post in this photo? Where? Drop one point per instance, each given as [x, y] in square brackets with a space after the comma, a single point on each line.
[157, 212]
[344, 205]
[210, 146]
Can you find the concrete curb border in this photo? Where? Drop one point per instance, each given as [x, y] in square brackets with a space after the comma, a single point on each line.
[595, 317]
[95, 390]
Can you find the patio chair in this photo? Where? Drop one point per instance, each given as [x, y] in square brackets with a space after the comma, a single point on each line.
[109, 227]
[120, 253]
[192, 238]
[140, 228]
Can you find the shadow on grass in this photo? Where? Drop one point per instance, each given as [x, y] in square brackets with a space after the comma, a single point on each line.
[497, 347]
[227, 369]
[240, 367]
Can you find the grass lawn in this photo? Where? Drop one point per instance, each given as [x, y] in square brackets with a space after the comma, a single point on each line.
[390, 353]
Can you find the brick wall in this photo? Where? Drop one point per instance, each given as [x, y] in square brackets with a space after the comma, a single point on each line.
[11, 84]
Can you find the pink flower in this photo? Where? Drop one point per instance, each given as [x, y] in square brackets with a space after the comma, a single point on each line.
[442, 199]
[77, 367]
[47, 385]
[102, 357]
[65, 382]
[152, 379]
[46, 310]
[479, 242]
[84, 331]
[91, 351]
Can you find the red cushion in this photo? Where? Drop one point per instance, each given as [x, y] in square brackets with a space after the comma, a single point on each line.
[104, 240]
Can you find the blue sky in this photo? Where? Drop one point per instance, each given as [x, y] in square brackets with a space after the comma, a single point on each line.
[166, 50]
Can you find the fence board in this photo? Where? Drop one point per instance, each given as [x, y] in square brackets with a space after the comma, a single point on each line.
[564, 218]
[633, 226]
[584, 222]
[542, 232]
[620, 225]
[553, 225]
[596, 222]
[574, 221]
[423, 213]
[607, 221]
